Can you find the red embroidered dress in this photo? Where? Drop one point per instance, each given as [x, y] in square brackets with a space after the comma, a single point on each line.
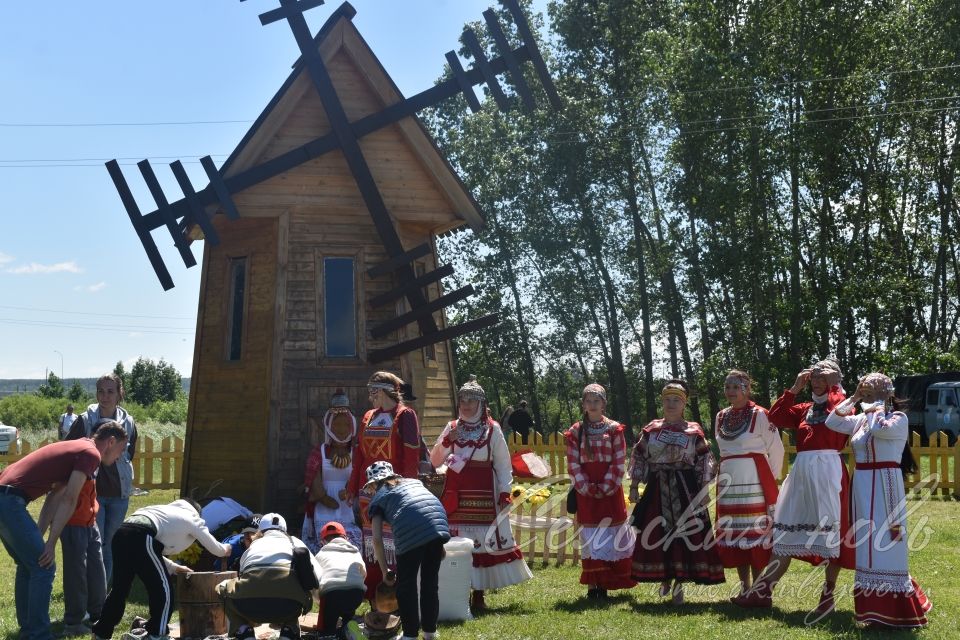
[751, 458]
[812, 516]
[596, 457]
[393, 436]
[675, 537]
[485, 475]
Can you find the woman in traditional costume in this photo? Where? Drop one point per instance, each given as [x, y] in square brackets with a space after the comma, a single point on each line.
[751, 459]
[389, 432]
[596, 462]
[884, 592]
[327, 473]
[477, 492]
[811, 520]
[675, 539]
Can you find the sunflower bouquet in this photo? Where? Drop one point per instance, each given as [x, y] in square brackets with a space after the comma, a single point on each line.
[535, 496]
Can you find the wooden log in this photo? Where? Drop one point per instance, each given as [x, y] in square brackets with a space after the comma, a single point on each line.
[200, 607]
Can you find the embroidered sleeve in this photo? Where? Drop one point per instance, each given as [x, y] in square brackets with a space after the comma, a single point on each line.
[893, 426]
[409, 429]
[705, 465]
[842, 420]
[579, 479]
[502, 466]
[639, 464]
[357, 471]
[772, 443]
[785, 414]
[442, 448]
[613, 479]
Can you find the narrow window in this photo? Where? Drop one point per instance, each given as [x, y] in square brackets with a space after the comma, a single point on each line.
[238, 287]
[933, 397]
[340, 307]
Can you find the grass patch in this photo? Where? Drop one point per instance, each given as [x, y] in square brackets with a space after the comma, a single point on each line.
[552, 605]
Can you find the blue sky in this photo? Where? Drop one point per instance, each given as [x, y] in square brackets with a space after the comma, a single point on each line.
[73, 276]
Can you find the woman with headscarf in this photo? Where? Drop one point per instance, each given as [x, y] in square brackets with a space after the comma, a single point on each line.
[389, 432]
[327, 473]
[751, 459]
[596, 462]
[675, 537]
[884, 592]
[811, 520]
[477, 492]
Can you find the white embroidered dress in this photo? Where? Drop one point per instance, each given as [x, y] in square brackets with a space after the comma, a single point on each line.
[884, 591]
[744, 510]
[488, 473]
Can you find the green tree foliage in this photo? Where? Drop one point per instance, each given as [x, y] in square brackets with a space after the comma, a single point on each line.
[29, 411]
[121, 373]
[77, 393]
[728, 184]
[150, 382]
[53, 387]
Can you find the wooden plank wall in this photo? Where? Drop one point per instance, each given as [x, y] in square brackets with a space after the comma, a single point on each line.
[324, 215]
[226, 441]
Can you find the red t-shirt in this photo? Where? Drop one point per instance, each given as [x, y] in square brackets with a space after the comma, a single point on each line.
[36, 474]
[85, 515]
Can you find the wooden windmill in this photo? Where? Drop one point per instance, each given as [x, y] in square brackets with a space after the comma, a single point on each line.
[323, 266]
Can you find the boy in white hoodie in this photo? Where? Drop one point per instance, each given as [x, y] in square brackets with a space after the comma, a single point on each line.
[342, 572]
[139, 546]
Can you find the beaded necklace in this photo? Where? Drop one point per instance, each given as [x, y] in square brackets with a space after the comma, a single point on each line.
[734, 422]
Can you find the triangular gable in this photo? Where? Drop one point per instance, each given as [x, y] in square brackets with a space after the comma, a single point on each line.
[339, 35]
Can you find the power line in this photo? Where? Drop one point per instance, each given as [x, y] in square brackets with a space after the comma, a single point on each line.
[785, 83]
[96, 327]
[172, 123]
[99, 165]
[91, 313]
[867, 105]
[136, 159]
[120, 124]
[562, 136]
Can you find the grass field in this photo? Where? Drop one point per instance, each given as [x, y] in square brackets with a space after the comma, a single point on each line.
[552, 604]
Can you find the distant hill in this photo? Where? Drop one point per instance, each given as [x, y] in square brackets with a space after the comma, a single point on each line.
[10, 386]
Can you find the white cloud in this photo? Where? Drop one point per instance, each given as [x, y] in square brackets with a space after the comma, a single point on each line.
[134, 334]
[92, 288]
[4, 258]
[37, 268]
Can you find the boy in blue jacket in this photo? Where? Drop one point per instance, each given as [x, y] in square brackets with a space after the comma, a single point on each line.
[420, 530]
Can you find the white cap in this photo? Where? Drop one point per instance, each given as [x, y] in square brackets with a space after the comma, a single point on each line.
[273, 521]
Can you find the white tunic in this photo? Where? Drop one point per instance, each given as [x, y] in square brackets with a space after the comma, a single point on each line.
[879, 502]
[744, 516]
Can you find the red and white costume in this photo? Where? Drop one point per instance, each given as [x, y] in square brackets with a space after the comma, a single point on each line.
[751, 459]
[392, 436]
[480, 452]
[884, 591]
[596, 461]
[812, 516]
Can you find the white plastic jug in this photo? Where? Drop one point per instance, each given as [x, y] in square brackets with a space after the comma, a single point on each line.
[455, 572]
